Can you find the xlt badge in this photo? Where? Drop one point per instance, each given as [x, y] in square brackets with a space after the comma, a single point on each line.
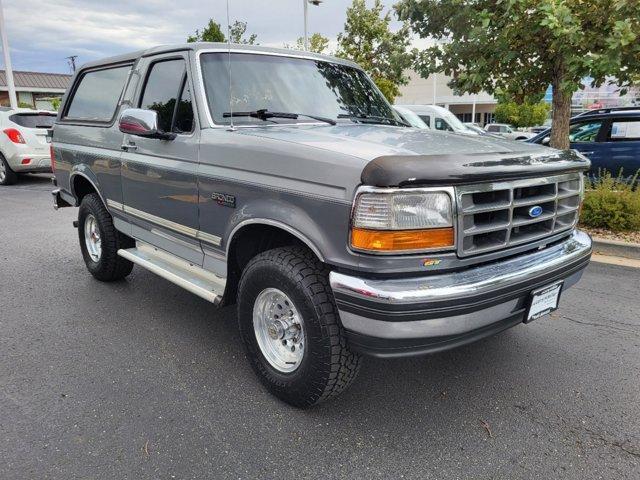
[224, 199]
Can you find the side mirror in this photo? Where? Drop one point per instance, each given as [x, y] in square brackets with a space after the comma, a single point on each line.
[546, 141]
[143, 123]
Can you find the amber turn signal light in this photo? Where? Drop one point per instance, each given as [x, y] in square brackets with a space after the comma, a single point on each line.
[401, 240]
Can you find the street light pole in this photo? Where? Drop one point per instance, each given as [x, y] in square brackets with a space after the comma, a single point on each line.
[306, 12]
[8, 71]
[434, 87]
[306, 35]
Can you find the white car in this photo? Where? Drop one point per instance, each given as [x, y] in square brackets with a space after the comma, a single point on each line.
[23, 142]
[507, 131]
[435, 118]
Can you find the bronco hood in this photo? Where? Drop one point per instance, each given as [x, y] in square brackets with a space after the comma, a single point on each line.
[398, 156]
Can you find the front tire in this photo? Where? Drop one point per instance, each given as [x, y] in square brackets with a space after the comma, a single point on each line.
[7, 175]
[100, 241]
[293, 278]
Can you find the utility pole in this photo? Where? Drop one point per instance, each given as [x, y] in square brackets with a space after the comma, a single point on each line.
[72, 62]
[8, 71]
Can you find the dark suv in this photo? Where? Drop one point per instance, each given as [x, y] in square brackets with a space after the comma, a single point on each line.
[609, 137]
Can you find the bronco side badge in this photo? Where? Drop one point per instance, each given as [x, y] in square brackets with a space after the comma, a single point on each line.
[224, 199]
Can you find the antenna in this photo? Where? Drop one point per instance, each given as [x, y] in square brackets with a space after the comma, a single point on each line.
[231, 126]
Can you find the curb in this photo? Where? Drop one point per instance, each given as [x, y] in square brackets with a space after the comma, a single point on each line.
[616, 248]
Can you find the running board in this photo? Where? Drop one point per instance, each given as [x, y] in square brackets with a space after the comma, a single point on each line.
[184, 274]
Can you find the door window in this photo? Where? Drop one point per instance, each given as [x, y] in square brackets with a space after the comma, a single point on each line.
[96, 97]
[426, 119]
[624, 131]
[167, 92]
[442, 125]
[584, 132]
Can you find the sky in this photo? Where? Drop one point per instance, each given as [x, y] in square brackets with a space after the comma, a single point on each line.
[43, 32]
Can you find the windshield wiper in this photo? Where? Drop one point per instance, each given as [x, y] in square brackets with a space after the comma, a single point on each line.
[264, 114]
[375, 118]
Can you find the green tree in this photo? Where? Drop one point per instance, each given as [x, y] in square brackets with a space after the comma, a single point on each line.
[55, 103]
[237, 32]
[368, 41]
[213, 33]
[318, 43]
[522, 114]
[523, 46]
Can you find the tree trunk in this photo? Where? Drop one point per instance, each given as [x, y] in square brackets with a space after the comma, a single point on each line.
[561, 105]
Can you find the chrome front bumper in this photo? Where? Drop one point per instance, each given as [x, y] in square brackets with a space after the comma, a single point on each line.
[407, 316]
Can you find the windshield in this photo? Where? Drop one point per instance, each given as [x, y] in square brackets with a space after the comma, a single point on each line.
[411, 118]
[287, 84]
[453, 122]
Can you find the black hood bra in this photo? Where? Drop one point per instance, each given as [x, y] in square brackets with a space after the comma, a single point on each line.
[457, 169]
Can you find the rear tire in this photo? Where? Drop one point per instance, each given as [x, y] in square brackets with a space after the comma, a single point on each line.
[100, 241]
[299, 282]
[7, 175]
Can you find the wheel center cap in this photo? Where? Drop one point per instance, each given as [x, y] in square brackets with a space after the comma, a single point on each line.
[276, 330]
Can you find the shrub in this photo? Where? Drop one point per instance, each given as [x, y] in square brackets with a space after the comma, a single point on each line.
[612, 204]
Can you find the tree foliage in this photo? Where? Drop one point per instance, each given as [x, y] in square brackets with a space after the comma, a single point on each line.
[522, 114]
[213, 33]
[522, 46]
[318, 43]
[237, 34]
[368, 41]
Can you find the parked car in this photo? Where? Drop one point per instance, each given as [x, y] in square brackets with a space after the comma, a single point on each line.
[507, 131]
[609, 137]
[23, 142]
[478, 129]
[438, 118]
[337, 230]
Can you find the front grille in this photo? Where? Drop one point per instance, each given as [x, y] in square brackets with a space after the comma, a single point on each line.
[493, 216]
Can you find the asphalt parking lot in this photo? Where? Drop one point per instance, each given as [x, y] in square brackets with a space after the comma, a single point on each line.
[141, 379]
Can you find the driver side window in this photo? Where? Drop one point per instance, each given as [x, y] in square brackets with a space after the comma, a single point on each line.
[167, 92]
[584, 132]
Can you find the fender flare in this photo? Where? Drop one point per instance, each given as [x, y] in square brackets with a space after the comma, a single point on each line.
[93, 181]
[273, 223]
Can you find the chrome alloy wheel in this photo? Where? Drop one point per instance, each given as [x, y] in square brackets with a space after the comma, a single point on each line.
[3, 171]
[92, 238]
[279, 330]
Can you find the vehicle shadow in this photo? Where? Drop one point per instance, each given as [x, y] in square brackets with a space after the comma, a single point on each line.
[463, 383]
[34, 179]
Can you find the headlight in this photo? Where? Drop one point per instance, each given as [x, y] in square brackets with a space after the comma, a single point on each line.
[400, 221]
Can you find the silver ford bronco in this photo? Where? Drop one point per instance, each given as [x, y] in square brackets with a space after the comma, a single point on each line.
[285, 183]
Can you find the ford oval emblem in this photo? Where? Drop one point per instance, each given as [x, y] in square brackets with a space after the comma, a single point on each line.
[535, 211]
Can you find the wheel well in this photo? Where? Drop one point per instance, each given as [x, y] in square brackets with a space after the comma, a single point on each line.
[248, 242]
[82, 187]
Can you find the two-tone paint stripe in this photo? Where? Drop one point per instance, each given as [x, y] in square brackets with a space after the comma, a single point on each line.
[163, 222]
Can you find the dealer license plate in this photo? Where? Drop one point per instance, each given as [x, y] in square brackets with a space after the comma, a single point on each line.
[544, 301]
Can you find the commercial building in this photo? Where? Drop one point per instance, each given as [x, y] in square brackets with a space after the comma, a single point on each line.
[480, 108]
[34, 89]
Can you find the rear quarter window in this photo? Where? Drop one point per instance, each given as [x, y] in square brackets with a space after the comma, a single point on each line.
[624, 130]
[96, 96]
[33, 120]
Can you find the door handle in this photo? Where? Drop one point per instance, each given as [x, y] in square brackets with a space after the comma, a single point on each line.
[128, 147]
